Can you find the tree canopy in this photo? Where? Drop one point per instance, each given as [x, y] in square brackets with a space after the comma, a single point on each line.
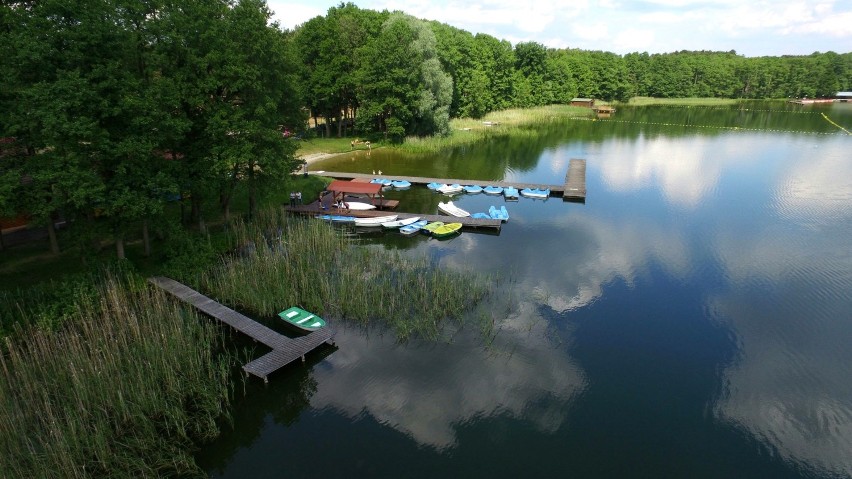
[117, 105]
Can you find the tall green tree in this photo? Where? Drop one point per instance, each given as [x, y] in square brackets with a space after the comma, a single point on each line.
[257, 101]
[404, 89]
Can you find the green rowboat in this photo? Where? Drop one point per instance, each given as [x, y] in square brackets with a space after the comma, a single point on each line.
[429, 228]
[448, 229]
[302, 319]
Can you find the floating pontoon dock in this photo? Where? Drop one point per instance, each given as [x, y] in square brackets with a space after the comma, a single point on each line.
[575, 180]
[470, 223]
[284, 350]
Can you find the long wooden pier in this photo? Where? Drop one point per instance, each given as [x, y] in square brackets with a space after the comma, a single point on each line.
[573, 188]
[284, 350]
[469, 223]
[575, 180]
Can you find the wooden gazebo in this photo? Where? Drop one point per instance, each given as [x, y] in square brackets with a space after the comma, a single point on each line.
[339, 189]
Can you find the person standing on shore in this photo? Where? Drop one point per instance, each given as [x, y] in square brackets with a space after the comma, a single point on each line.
[292, 199]
[299, 198]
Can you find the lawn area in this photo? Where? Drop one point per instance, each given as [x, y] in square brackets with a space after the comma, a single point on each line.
[312, 146]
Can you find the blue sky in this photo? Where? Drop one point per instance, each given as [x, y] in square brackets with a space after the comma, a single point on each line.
[752, 28]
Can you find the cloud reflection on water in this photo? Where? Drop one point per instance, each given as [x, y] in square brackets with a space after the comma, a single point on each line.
[790, 287]
[788, 278]
[425, 390]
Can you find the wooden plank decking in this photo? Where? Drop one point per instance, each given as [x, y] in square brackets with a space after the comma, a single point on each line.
[284, 350]
[574, 187]
[575, 180]
[420, 180]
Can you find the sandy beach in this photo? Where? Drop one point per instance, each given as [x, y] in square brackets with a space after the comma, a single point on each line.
[315, 157]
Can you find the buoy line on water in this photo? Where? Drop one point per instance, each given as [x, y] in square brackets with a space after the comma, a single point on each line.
[730, 109]
[732, 128]
[835, 124]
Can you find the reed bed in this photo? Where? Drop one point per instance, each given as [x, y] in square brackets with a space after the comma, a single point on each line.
[311, 264]
[646, 101]
[123, 389]
[467, 131]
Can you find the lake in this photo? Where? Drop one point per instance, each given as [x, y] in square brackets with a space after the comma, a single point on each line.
[693, 318]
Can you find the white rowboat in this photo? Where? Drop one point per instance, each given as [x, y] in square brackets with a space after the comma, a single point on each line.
[357, 205]
[400, 223]
[452, 210]
[377, 221]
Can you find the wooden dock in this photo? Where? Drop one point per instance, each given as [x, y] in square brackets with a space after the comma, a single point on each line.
[575, 180]
[284, 350]
[576, 174]
[468, 223]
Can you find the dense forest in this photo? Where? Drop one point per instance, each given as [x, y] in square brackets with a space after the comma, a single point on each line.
[111, 108]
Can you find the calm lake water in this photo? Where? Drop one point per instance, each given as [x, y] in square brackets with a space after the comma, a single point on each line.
[692, 319]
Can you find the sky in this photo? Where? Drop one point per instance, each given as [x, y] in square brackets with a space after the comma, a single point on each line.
[752, 28]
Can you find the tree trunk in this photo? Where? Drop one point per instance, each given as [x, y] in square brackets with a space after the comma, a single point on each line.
[340, 125]
[195, 202]
[51, 233]
[251, 191]
[119, 246]
[146, 240]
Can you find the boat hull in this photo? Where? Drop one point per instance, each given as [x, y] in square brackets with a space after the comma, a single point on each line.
[374, 222]
[413, 228]
[452, 210]
[431, 227]
[446, 230]
[301, 319]
[400, 223]
[535, 193]
[450, 189]
[358, 206]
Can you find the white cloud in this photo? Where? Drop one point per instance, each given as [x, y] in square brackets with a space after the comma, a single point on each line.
[835, 25]
[751, 28]
[633, 40]
[591, 31]
[290, 15]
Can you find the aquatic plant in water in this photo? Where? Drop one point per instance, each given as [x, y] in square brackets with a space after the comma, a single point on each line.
[311, 264]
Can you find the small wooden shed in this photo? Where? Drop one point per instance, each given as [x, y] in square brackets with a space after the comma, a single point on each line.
[586, 102]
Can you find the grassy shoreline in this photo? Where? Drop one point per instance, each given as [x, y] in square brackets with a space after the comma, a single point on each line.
[463, 131]
[651, 101]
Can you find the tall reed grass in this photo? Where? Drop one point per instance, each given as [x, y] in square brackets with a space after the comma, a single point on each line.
[308, 263]
[122, 389]
[646, 101]
[467, 131]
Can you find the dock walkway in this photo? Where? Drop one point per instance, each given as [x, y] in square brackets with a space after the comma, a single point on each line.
[284, 350]
[576, 190]
[470, 223]
[575, 180]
